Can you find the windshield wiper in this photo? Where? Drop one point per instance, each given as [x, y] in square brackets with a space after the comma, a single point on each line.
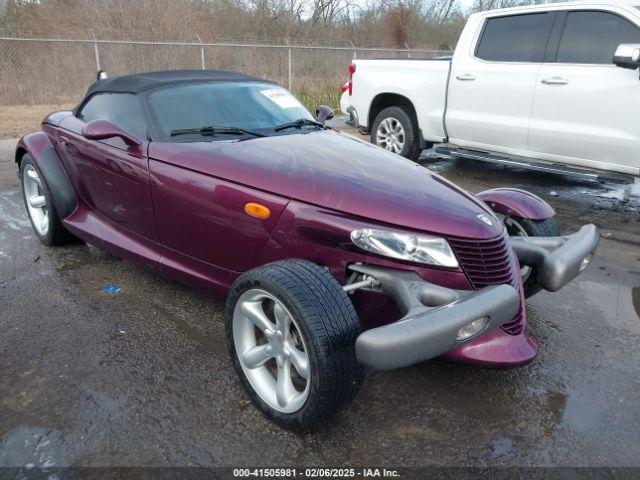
[213, 129]
[301, 122]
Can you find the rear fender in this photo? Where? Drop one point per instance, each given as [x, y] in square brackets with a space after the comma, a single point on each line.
[514, 202]
[38, 145]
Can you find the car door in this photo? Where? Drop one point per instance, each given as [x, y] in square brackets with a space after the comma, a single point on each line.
[492, 82]
[111, 176]
[585, 109]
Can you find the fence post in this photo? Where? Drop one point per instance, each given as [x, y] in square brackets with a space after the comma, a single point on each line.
[202, 63]
[96, 51]
[289, 69]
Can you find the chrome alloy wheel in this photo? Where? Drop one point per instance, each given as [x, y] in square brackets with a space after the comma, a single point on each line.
[268, 344]
[36, 200]
[390, 135]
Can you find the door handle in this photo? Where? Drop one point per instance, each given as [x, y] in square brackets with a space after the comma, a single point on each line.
[467, 77]
[555, 81]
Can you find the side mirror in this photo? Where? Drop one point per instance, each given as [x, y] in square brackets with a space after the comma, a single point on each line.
[102, 129]
[323, 113]
[627, 55]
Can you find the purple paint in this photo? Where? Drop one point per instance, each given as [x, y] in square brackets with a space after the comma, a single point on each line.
[179, 207]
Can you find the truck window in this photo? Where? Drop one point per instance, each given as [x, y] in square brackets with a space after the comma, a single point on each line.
[592, 37]
[515, 38]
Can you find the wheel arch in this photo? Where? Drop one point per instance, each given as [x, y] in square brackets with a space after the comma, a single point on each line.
[39, 146]
[388, 99]
[20, 152]
[516, 202]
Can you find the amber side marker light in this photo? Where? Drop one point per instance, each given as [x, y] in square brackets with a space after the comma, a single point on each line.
[257, 210]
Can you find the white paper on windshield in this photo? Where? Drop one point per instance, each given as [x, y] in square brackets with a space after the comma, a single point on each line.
[282, 98]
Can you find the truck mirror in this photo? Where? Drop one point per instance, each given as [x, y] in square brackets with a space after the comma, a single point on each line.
[627, 55]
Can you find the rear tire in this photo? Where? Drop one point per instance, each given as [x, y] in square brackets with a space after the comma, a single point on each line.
[520, 227]
[314, 350]
[37, 200]
[394, 129]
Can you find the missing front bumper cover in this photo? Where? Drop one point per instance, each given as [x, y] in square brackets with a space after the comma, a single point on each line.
[432, 317]
[558, 260]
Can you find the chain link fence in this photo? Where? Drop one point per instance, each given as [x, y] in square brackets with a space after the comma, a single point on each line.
[58, 71]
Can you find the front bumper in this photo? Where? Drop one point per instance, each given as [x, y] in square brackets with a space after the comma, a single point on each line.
[558, 260]
[433, 315]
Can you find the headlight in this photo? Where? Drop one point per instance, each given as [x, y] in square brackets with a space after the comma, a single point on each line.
[414, 248]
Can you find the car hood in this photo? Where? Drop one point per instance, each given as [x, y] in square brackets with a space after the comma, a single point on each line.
[339, 172]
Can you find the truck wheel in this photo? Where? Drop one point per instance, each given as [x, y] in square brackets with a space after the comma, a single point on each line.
[42, 213]
[524, 227]
[395, 130]
[291, 332]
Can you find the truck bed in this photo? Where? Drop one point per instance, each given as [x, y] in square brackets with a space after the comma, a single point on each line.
[379, 81]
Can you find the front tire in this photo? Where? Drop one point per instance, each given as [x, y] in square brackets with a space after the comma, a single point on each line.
[394, 129]
[291, 332]
[37, 200]
[524, 227]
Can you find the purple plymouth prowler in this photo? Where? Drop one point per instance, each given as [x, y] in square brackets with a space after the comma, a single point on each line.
[333, 254]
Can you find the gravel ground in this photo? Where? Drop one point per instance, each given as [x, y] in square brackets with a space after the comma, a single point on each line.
[142, 377]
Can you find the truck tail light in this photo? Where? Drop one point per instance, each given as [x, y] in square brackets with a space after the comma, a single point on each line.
[352, 70]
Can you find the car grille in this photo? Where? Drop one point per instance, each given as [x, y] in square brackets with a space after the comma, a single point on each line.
[490, 262]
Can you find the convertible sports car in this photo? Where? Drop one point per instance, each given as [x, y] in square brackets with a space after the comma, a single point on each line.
[334, 254]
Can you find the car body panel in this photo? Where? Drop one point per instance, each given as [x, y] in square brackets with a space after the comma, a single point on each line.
[41, 147]
[111, 176]
[516, 202]
[335, 171]
[204, 217]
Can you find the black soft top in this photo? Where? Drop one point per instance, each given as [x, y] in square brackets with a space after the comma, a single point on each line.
[142, 82]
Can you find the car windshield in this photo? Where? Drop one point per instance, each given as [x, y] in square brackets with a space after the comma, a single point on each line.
[250, 106]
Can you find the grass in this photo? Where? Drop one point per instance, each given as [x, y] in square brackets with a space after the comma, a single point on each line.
[16, 120]
[311, 97]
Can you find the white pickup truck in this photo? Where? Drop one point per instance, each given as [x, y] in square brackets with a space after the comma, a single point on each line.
[553, 86]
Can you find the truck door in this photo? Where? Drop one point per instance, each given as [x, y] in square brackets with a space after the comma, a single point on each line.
[493, 79]
[585, 108]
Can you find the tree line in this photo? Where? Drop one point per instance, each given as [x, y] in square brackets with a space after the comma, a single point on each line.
[390, 23]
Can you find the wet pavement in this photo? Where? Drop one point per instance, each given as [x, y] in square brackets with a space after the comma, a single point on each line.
[142, 376]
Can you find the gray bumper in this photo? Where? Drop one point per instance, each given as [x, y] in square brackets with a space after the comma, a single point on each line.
[433, 315]
[558, 260]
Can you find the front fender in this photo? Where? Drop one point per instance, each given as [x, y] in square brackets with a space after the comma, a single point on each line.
[38, 145]
[515, 202]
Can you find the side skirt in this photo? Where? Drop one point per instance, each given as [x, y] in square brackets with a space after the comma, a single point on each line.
[533, 164]
[113, 238]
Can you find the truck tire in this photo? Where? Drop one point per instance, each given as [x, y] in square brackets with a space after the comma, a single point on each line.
[395, 130]
[524, 227]
[291, 332]
[40, 208]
